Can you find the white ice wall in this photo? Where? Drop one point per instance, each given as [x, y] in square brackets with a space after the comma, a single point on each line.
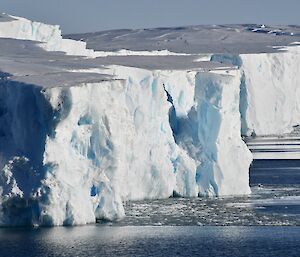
[118, 135]
[101, 144]
[49, 36]
[21, 28]
[225, 158]
[272, 92]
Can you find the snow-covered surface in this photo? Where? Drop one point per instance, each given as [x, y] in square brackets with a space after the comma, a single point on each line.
[234, 39]
[83, 130]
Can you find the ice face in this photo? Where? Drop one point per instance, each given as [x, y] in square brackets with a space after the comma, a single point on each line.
[269, 102]
[49, 36]
[219, 125]
[93, 146]
[272, 92]
[115, 144]
[78, 137]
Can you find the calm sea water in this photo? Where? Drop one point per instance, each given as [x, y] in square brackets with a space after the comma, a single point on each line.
[263, 224]
[151, 241]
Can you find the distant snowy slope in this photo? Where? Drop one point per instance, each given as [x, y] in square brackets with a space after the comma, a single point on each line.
[234, 39]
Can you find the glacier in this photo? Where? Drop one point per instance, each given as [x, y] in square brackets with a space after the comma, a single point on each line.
[86, 126]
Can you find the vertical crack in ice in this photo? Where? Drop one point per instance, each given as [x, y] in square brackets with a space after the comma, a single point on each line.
[172, 115]
[244, 106]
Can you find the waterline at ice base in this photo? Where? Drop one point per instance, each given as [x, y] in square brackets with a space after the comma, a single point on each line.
[91, 121]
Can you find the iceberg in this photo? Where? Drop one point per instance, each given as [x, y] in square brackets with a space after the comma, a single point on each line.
[84, 130]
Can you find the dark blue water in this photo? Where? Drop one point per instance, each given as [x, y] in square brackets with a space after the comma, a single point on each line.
[266, 223]
[275, 172]
[151, 241]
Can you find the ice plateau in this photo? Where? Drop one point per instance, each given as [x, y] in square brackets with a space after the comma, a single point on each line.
[88, 124]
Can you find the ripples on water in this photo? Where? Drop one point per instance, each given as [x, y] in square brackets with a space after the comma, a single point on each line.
[151, 241]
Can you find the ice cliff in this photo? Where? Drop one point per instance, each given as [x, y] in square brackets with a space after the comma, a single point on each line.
[78, 136]
[270, 93]
[49, 36]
